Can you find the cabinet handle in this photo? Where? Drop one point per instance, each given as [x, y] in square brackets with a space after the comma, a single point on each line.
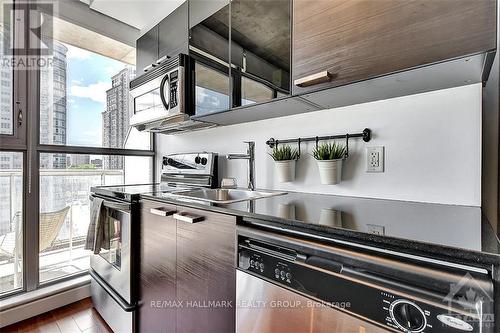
[186, 217]
[148, 68]
[162, 211]
[162, 59]
[321, 77]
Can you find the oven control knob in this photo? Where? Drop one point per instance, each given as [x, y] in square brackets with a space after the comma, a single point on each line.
[408, 316]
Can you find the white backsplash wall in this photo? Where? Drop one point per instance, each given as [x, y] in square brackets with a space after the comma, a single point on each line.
[432, 147]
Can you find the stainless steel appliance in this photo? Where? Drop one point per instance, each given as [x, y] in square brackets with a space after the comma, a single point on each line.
[288, 284]
[111, 270]
[165, 97]
[114, 271]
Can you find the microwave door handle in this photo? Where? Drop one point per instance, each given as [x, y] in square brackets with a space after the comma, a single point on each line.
[164, 81]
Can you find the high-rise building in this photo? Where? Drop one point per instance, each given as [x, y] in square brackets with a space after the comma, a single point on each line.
[76, 160]
[53, 106]
[115, 119]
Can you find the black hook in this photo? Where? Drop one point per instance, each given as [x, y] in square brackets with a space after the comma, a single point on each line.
[317, 139]
[347, 145]
[298, 141]
[276, 144]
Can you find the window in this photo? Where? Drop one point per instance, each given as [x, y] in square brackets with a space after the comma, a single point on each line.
[11, 217]
[76, 148]
[84, 102]
[64, 204]
[6, 90]
[81, 90]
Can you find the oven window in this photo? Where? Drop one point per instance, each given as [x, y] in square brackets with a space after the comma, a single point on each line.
[148, 101]
[212, 90]
[111, 250]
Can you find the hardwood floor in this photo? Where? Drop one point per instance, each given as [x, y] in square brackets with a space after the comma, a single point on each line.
[77, 317]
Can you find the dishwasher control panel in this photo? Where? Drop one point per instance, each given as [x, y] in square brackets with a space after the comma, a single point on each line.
[330, 285]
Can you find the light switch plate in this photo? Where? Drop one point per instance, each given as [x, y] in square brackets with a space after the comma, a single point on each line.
[375, 159]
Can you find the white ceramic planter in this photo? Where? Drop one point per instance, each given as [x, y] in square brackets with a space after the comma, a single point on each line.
[330, 217]
[285, 170]
[330, 171]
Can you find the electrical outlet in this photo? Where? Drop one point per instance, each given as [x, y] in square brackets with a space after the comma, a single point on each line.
[375, 159]
[376, 229]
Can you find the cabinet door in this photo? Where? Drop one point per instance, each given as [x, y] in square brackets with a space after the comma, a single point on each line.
[146, 50]
[209, 46]
[173, 32]
[354, 40]
[206, 260]
[260, 49]
[157, 268]
[199, 10]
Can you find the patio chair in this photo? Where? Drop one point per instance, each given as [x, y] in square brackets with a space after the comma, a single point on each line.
[50, 224]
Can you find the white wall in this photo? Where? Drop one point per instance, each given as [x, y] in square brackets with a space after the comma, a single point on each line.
[432, 147]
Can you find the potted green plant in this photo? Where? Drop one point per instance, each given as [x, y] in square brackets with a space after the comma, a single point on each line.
[329, 157]
[285, 158]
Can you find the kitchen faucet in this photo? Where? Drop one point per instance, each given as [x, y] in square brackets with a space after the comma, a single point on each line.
[250, 157]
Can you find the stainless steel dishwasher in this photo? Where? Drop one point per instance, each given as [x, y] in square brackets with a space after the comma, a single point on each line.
[289, 284]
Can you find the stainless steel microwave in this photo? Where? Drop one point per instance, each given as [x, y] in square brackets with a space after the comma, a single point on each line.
[161, 93]
[167, 96]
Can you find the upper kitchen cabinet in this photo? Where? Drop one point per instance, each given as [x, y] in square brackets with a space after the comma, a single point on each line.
[260, 50]
[209, 48]
[166, 39]
[147, 50]
[173, 33]
[338, 42]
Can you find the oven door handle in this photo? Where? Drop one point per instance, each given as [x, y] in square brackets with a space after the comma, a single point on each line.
[114, 205]
[117, 298]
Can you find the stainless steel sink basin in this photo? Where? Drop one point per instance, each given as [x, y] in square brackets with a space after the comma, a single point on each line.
[224, 196]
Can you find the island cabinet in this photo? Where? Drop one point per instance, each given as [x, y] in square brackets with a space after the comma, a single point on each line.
[187, 270]
[337, 42]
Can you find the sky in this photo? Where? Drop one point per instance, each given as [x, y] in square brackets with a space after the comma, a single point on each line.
[88, 77]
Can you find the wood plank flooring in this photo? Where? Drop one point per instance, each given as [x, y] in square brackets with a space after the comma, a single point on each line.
[78, 317]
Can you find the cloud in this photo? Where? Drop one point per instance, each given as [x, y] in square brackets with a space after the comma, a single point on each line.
[95, 91]
[110, 70]
[77, 53]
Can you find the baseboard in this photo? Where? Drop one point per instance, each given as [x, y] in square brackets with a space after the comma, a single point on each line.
[43, 302]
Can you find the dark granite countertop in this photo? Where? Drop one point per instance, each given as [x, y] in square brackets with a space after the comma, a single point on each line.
[447, 232]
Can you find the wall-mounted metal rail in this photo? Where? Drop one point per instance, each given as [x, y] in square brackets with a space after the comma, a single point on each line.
[366, 135]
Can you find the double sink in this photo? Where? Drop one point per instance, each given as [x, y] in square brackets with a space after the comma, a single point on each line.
[224, 196]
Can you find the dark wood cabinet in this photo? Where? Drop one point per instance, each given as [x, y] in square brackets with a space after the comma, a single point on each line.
[206, 259]
[187, 270]
[173, 32]
[157, 268]
[146, 50]
[336, 42]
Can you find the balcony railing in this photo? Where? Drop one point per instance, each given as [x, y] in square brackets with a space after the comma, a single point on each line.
[64, 218]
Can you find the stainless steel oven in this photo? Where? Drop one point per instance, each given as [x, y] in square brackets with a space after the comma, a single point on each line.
[112, 285]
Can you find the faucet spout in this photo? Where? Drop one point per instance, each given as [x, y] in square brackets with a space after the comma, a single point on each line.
[250, 157]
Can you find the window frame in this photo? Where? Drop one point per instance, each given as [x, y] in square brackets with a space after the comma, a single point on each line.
[27, 140]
